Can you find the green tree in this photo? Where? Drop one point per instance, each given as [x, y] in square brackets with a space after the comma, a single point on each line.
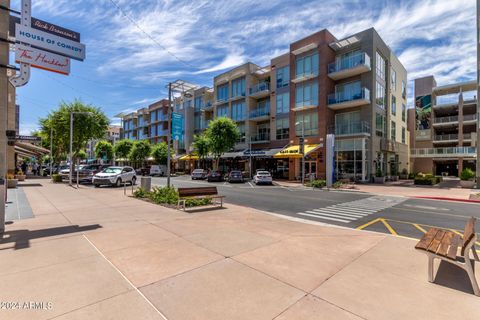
[140, 151]
[104, 150]
[82, 155]
[85, 127]
[201, 146]
[222, 134]
[122, 148]
[160, 153]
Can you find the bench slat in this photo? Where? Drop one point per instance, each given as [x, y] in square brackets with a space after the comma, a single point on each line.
[445, 244]
[454, 244]
[433, 247]
[427, 238]
[468, 233]
[198, 191]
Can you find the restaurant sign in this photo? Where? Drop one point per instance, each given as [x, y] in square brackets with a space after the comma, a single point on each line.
[42, 59]
[47, 27]
[27, 138]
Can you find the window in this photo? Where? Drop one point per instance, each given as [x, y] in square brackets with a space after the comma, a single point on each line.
[380, 66]
[283, 103]
[282, 128]
[306, 94]
[197, 121]
[310, 124]
[403, 134]
[238, 87]
[198, 103]
[404, 90]
[380, 95]
[187, 104]
[404, 112]
[283, 76]
[238, 111]
[153, 131]
[241, 129]
[394, 105]
[380, 125]
[348, 91]
[393, 131]
[222, 111]
[306, 66]
[263, 132]
[222, 92]
[394, 80]
[347, 123]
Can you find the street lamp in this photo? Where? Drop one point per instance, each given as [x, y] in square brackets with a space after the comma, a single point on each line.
[51, 151]
[478, 96]
[72, 113]
[302, 149]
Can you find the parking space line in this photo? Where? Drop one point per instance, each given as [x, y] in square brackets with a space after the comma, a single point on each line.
[389, 227]
[363, 226]
[419, 228]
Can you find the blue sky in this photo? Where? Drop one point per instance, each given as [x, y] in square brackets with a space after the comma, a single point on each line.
[126, 70]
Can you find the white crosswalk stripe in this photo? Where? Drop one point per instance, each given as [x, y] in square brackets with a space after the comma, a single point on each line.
[353, 210]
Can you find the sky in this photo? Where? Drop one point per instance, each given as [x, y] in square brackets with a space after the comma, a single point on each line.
[135, 47]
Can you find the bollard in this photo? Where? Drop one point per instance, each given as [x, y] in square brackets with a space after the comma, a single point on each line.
[146, 183]
[124, 188]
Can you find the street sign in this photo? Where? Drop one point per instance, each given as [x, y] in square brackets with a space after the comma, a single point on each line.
[44, 40]
[27, 138]
[177, 126]
[47, 27]
[42, 59]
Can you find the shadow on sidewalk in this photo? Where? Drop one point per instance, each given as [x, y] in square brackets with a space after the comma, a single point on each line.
[453, 277]
[22, 238]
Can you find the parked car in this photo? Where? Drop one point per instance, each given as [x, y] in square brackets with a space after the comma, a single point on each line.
[215, 176]
[158, 170]
[144, 171]
[115, 176]
[235, 176]
[65, 171]
[87, 172]
[263, 177]
[200, 174]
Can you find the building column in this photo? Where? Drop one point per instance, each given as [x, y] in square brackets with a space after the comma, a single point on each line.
[460, 166]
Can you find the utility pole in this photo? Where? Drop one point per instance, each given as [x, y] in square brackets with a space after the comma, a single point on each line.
[51, 151]
[4, 47]
[478, 96]
[169, 133]
[70, 153]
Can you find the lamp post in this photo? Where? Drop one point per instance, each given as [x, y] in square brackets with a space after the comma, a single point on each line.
[70, 156]
[250, 162]
[478, 95]
[51, 151]
[302, 149]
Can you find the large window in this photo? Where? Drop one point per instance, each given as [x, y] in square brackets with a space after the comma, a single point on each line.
[404, 133]
[404, 112]
[306, 66]
[198, 103]
[347, 123]
[222, 111]
[404, 90]
[283, 76]
[348, 91]
[310, 124]
[241, 129]
[282, 128]
[394, 80]
[380, 95]
[238, 87]
[393, 131]
[380, 66]
[197, 122]
[380, 125]
[394, 105]
[222, 92]
[238, 111]
[283, 102]
[306, 94]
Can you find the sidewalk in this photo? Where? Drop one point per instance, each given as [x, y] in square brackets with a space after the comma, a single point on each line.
[97, 254]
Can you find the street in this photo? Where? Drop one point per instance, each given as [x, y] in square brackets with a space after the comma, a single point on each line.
[388, 214]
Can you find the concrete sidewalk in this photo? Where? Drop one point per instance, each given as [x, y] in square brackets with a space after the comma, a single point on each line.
[97, 254]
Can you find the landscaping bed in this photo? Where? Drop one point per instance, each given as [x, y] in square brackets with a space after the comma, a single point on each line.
[168, 197]
[426, 179]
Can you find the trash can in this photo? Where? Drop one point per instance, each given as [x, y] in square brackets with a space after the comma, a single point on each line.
[146, 183]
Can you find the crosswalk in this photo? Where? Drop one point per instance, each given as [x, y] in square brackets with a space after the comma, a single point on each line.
[350, 211]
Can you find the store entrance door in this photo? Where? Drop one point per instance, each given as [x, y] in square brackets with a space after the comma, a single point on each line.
[310, 167]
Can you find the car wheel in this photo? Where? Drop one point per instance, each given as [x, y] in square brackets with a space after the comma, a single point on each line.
[96, 185]
[119, 182]
[134, 181]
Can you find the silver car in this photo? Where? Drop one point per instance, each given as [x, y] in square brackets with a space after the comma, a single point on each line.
[115, 176]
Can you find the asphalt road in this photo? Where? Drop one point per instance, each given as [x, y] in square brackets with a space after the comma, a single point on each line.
[389, 214]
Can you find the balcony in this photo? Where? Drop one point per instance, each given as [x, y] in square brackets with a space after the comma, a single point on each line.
[261, 138]
[468, 136]
[342, 100]
[207, 106]
[237, 96]
[304, 77]
[260, 90]
[388, 145]
[345, 67]
[360, 128]
[469, 119]
[450, 152]
[445, 121]
[260, 114]
[447, 100]
[445, 138]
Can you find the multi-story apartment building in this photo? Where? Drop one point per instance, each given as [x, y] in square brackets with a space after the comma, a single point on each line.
[112, 134]
[443, 126]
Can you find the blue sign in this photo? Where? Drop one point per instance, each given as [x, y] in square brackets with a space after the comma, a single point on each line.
[177, 126]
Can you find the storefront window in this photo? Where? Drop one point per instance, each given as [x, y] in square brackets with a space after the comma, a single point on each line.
[350, 159]
[282, 128]
[306, 122]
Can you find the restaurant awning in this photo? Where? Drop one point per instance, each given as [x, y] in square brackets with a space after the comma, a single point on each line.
[235, 154]
[32, 148]
[188, 157]
[294, 151]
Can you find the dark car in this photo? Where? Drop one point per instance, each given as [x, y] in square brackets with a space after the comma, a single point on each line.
[86, 173]
[235, 176]
[215, 176]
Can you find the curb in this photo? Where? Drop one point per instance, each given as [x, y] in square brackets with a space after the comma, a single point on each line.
[447, 199]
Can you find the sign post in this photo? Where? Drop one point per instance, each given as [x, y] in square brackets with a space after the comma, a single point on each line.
[478, 96]
[330, 154]
[177, 126]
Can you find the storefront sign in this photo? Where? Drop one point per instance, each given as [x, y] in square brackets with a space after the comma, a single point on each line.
[44, 40]
[47, 27]
[27, 138]
[42, 59]
[290, 151]
[254, 152]
[177, 126]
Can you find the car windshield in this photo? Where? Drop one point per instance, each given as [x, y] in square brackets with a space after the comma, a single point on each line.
[112, 170]
[235, 172]
[263, 173]
[198, 171]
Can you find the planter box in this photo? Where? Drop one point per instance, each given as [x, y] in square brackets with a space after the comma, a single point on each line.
[475, 197]
[380, 180]
[404, 177]
[12, 183]
[20, 177]
[468, 184]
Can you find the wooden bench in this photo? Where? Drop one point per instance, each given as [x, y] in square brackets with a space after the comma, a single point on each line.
[444, 245]
[198, 193]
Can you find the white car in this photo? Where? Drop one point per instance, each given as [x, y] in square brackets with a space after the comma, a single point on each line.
[157, 170]
[200, 174]
[262, 177]
[115, 176]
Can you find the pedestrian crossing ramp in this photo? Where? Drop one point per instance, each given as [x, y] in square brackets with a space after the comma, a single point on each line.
[351, 211]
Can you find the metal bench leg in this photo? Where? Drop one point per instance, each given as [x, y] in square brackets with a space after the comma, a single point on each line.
[471, 275]
[475, 254]
[430, 268]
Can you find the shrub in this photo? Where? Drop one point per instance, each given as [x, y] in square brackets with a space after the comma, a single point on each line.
[411, 175]
[379, 173]
[56, 178]
[337, 185]
[318, 183]
[10, 176]
[404, 171]
[197, 202]
[467, 174]
[140, 193]
[164, 195]
[427, 180]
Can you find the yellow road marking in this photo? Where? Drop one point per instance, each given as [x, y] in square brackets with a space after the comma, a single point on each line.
[363, 226]
[455, 231]
[419, 228]
[389, 227]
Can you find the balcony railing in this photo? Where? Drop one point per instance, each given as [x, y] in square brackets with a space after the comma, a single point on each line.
[349, 62]
[445, 119]
[260, 112]
[447, 99]
[467, 136]
[446, 137]
[444, 152]
[261, 137]
[352, 128]
[262, 86]
[341, 97]
[469, 117]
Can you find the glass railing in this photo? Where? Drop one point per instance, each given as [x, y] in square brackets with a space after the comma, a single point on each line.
[447, 99]
[239, 94]
[262, 86]
[348, 62]
[261, 137]
[340, 97]
[469, 117]
[445, 137]
[442, 152]
[445, 119]
[467, 136]
[351, 128]
[260, 112]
